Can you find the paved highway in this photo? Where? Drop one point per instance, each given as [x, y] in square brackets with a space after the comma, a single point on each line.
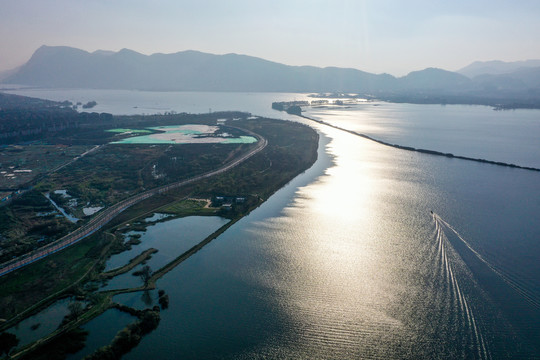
[103, 217]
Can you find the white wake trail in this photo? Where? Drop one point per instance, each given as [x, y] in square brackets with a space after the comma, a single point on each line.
[458, 297]
[531, 298]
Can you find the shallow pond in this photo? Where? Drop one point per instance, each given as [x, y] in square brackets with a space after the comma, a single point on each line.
[41, 324]
[102, 330]
[171, 238]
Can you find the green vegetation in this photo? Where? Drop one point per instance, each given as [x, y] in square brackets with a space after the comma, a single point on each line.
[145, 274]
[31, 288]
[66, 343]
[145, 255]
[188, 207]
[102, 178]
[115, 172]
[7, 342]
[292, 150]
[163, 299]
[89, 105]
[127, 338]
[75, 310]
[24, 163]
[294, 110]
[119, 171]
[28, 221]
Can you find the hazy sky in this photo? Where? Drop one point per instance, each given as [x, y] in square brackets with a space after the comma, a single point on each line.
[393, 36]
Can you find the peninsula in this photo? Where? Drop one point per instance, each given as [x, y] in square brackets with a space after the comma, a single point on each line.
[127, 182]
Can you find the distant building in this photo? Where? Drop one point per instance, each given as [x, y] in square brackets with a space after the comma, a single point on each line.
[227, 201]
[226, 206]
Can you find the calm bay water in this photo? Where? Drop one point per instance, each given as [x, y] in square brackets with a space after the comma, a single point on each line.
[353, 265]
[36, 326]
[126, 102]
[102, 330]
[171, 239]
[347, 260]
[474, 131]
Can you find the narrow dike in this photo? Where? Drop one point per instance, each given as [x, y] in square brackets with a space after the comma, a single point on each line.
[105, 297]
[423, 151]
[145, 255]
[156, 275]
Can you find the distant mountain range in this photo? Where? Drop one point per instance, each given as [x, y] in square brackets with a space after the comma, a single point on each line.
[497, 67]
[66, 67]
[7, 73]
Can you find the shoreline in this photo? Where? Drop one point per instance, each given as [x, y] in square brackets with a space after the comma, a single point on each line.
[105, 297]
[96, 223]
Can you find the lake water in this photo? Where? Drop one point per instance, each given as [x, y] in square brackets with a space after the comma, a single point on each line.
[347, 260]
[473, 131]
[126, 102]
[42, 323]
[171, 239]
[102, 330]
[62, 211]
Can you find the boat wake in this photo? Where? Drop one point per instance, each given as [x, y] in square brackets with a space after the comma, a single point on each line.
[522, 290]
[448, 274]
[507, 303]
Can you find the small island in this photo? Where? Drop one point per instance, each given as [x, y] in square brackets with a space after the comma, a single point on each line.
[89, 105]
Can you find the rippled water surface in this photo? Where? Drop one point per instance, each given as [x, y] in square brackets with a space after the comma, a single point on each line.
[170, 239]
[374, 252]
[102, 330]
[42, 323]
[353, 264]
[474, 131]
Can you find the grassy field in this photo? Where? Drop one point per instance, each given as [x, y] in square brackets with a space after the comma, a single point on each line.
[29, 221]
[20, 164]
[34, 286]
[188, 207]
[101, 178]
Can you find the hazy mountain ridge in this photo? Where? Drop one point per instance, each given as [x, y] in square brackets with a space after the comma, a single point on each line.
[62, 66]
[66, 67]
[7, 73]
[496, 67]
[186, 70]
[435, 79]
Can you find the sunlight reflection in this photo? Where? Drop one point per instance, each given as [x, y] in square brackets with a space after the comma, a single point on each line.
[338, 268]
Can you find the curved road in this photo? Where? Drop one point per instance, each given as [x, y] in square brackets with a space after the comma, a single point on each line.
[108, 214]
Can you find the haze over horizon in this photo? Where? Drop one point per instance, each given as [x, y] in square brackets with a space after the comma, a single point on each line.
[379, 37]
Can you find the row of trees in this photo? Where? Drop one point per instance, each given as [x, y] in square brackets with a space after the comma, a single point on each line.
[129, 337]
